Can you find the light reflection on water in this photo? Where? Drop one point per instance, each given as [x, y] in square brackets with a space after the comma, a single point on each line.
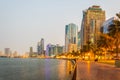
[62, 69]
[33, 69]
[69, 67]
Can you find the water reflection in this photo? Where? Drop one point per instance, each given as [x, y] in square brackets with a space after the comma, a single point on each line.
[62, 69]
[33, 69]
[65, 68]
[57, 71]
[69, 67]
[47, 69]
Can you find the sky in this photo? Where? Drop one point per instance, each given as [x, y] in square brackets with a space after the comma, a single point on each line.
[24, 22]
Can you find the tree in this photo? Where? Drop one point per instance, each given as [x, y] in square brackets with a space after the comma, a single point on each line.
[105, 42]
[114, 31]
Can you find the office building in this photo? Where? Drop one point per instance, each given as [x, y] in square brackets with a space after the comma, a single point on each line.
[106, 24]
[92, 21]
[31, 51]
[52, 50]
[71, 35]
[40, 47]
[7, 52]
[72, 47]
[79, 41]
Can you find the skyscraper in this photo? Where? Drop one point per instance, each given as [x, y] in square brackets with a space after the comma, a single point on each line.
[52, 50]
[92, 21]
[31, 51]
[107, 23]
[79, 41]
[71, 36]
[40, 47]
[7, 52]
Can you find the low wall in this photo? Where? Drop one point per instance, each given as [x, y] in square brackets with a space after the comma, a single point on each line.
[72, 72]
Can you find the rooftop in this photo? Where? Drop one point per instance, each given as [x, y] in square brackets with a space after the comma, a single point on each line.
[94, 7]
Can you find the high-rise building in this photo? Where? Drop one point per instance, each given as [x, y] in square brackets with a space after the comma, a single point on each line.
[71, 35]
[72, 47]
[107, 23]
[40, 47]
[52, 50]
[79, 40]
[92, 21]
[7, 52]
[60, 49]
[31, 51]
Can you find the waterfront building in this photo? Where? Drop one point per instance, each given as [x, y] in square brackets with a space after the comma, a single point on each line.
[40, 47]
[7, 52]
[72, 47]
[52, 50]
[63, 49]
[71, 35]
[79, 40]
[31, 51]
[15, 54]
[105, 28]
[60, 49]
[106, 24]
[92, 21]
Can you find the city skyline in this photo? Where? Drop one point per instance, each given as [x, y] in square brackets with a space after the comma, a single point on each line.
[23, 23]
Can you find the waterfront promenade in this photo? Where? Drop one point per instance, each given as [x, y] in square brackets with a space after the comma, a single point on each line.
[87, 70]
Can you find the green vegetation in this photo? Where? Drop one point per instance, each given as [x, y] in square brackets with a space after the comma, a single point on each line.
[114, 32]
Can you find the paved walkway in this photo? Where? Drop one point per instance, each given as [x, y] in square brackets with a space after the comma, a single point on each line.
[96, 71]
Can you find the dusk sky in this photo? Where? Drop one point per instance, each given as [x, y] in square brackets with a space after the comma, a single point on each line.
[24, 22]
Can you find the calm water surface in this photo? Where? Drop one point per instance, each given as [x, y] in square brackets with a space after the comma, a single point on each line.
[33, 69]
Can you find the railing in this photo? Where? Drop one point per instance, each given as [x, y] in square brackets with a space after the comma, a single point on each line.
[73, 71]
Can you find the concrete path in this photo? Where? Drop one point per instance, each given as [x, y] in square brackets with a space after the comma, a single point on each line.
[87, 70]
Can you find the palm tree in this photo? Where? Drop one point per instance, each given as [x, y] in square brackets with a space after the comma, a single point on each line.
[94, 49]
[105, 42]
[114, 31]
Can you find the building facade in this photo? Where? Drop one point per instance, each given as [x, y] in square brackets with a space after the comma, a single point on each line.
[79, 40]
[40, 47]
[71, 35]
[7, 52]
[92, 21]
[31, 51]
[106, 24]
[72, 48]
[52, 50]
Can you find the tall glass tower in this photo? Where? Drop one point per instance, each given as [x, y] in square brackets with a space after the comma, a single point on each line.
[40, 47]
[71, 35]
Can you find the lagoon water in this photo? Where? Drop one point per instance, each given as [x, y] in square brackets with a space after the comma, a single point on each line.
[33, 69]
